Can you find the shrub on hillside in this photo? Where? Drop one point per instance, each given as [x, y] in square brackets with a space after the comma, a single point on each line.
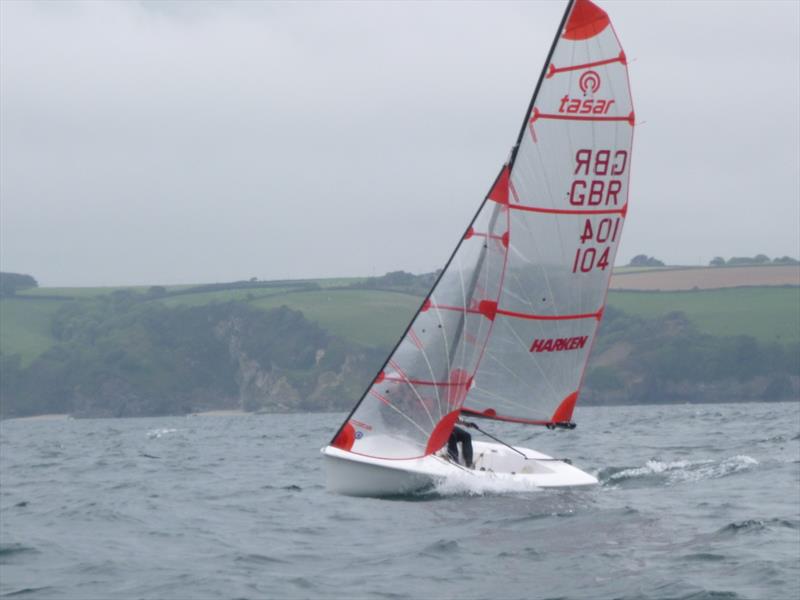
[642, 260]
[11, 282]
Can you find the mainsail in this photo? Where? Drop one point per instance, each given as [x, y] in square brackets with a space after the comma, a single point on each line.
[507, 329]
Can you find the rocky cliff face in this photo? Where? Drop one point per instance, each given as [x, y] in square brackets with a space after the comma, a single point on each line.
[266, 387]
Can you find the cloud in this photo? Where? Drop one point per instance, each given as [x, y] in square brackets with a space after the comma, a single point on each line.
[178, 142]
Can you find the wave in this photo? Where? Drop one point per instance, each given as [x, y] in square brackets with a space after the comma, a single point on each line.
[757, 526]
[27, 591]
[8, 550]
[678, 471]
[258, 559]
[699, 595]
[465, 484]
[154, 434]
[441, 547]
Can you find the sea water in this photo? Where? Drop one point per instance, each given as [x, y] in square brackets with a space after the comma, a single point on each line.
[694, 501]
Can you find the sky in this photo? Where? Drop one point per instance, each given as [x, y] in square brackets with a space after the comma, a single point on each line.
[186, 142]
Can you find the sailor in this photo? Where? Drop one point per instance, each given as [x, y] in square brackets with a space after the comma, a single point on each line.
[457, 436]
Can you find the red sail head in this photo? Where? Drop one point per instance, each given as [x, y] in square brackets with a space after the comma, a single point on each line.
[586, 21]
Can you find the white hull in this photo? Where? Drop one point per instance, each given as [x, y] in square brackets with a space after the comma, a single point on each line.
[359, 475]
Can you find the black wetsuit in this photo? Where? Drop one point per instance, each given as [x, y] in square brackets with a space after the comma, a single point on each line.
[459, 435]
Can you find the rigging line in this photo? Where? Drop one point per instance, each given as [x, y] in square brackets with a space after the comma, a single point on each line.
[413, 389]
[525, 456]
[450, 462]
[474, 426]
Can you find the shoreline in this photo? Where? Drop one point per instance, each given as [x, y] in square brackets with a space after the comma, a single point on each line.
[233, 412]
[45, 417]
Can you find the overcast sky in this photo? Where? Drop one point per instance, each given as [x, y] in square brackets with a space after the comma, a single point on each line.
[145, 143]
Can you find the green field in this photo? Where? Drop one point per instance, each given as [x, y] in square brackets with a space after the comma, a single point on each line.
[79, 292]
[91, 292]
[769, 314]
[370, 317]
[377, 318]
[200, 298]
[25, 327]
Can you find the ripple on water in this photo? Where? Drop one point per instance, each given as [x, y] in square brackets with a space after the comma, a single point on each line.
[34, 592]
[8, 552]
[656, 472]
[441, 548]
[219, 516]
[703, 557]
[750, 526]
[258, 559]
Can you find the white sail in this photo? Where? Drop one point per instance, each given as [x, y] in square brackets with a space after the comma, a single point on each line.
[509, 325]
[568, 200]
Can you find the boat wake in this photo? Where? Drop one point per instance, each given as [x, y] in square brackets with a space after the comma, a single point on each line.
[673, 472]
[467, 484]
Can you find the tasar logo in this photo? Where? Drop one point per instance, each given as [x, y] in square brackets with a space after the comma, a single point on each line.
[589, 84]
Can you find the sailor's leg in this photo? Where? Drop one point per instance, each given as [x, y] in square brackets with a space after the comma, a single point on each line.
[466, 449]
[466, 444]
[452, 446]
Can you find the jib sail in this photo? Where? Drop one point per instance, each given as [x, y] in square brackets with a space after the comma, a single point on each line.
[411, 406]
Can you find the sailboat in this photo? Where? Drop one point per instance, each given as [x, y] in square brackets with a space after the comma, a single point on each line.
[506, 331]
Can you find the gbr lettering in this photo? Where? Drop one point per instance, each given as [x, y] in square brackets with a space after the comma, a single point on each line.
[597, 183]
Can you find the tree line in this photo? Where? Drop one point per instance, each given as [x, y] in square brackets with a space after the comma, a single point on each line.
[121, 355]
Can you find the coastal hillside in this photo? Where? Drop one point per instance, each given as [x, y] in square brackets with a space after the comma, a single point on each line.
[178, 349]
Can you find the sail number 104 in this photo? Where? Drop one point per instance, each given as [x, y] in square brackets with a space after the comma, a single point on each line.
[604, 231]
